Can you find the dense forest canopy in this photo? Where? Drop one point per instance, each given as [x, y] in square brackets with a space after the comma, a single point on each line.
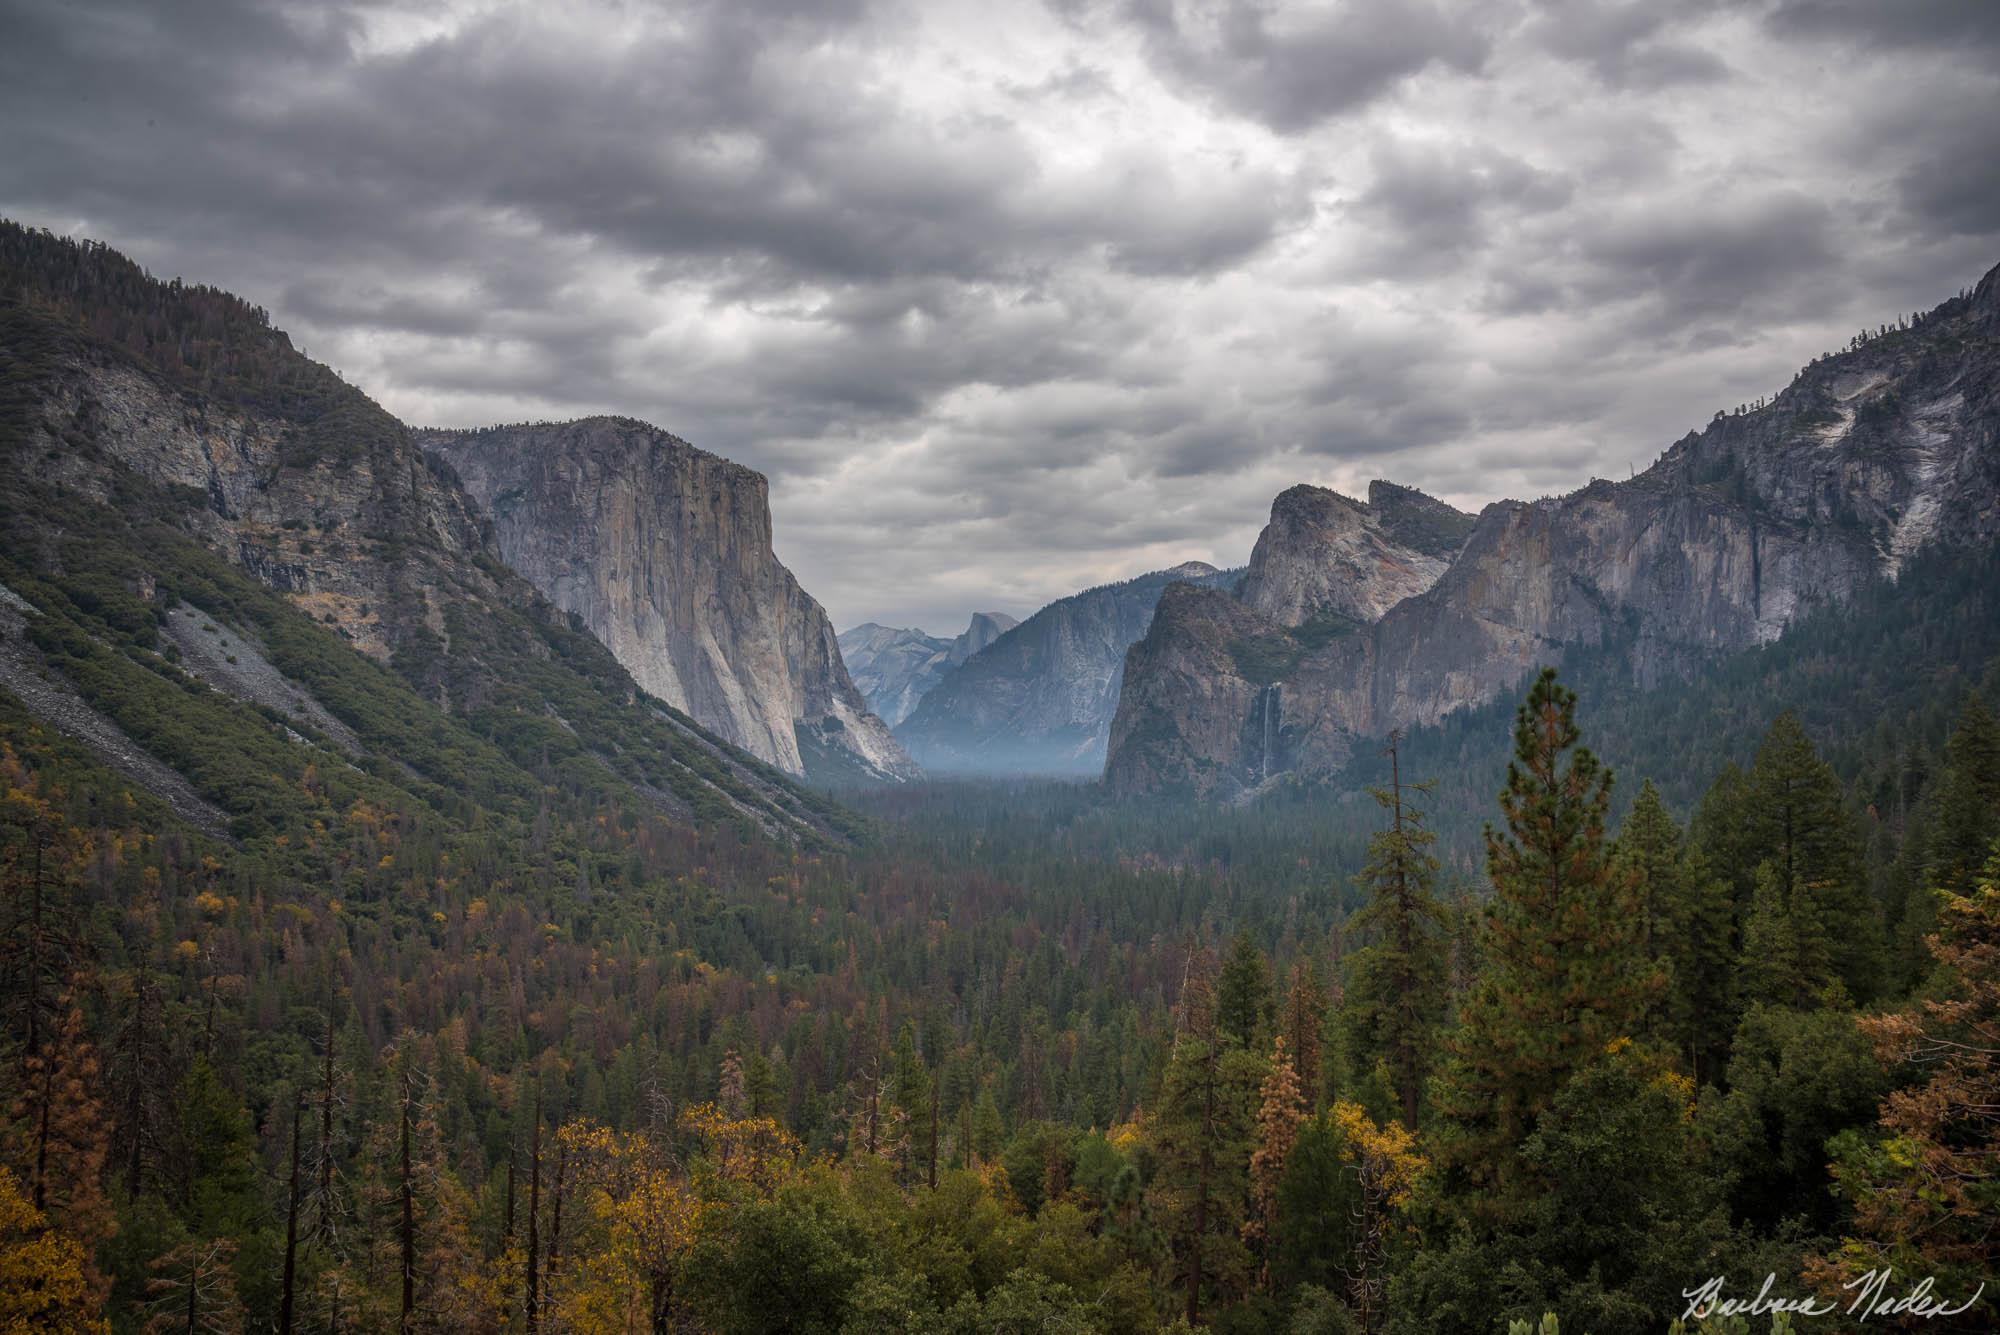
[1566, 1005]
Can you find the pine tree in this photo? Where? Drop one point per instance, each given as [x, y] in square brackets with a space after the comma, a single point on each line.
[987, 1131]
[40, 947]
[730, 1095]
[193, 1291]
[1787, 951]
[910, 1090]
[1281, 1109]
[1202, 1134]
[1565, 972]
[1395, 995]
[1304, 1021]
[1961, 820]
[1798, 824]
[1687, 926]
[1722, 829]
[54, 1133]
[1924, 1199]
[1243, 993]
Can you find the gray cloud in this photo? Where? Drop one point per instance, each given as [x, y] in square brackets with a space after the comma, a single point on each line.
[1913, 23]
[1293, 66]
[1013, 299]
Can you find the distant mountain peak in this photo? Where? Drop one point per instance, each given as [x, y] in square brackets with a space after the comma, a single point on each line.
[1355, 618]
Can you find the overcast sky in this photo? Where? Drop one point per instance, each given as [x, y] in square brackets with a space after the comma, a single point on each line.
[1008, 299]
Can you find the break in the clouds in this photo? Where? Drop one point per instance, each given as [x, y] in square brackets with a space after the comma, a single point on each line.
[1012, 298]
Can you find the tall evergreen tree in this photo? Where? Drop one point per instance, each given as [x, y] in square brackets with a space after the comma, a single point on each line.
[1787, 947]
[1395, 995]
[1722, 829]
[1204, 1130]
[1565, 971]
[1798, 823]
[1686, 922]
[1961, 820]
[1243, 993]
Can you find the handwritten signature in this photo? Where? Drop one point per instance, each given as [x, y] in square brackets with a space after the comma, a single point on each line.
[1871, 1298]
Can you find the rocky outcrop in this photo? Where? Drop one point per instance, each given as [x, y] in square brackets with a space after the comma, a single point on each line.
[663, 551]
[144, 413]
[1325, 555]
[1040, 698]
[1867, 457]
[1204, 702]
[894, 668]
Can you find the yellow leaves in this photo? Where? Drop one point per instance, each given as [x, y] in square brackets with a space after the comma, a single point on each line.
[1126, 1137]
[1389, 1150]
[752, 1151]
[186, 952]
[629, 1185]
[211, 904]
[44, 1284]
[1681, 1087]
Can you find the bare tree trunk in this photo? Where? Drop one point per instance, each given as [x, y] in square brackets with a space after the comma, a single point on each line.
[534, 1220]
[409, 1223]
[291, 1225]
[935, 1082]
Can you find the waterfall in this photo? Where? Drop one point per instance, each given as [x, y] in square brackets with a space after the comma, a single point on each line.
[1268, 720]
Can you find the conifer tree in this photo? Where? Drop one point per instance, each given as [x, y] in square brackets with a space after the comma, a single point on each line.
[1243, 993]
[1281, 1109]
[1961, 820]
[1925, 1197]
[1787, 953]
[730, 1095]
[53, 1132]
[1304, 1020]
[193, 1291]
[1721, 828]
[1565, 973]
[910, 1090]
[1202, 1135]
[1395, 995]
[1797, 823]
[1687, 925]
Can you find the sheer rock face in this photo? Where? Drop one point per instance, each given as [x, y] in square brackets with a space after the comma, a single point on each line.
[1867, 457]
[664, 552]
[894, 668]
[1039, 699]
[365, 538]
[1325, 554]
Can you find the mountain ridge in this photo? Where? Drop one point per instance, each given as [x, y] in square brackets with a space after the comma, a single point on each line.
[1040, 698]
[1867, 456]
[895, 667]
[664, 550]
[165, 446]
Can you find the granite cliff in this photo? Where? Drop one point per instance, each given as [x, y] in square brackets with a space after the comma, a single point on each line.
[150, 428]
[663, 551]
[895, 667]
[1866, 457]
[1039, 699]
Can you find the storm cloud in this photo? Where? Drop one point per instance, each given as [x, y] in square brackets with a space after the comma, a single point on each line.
[1013, 298]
